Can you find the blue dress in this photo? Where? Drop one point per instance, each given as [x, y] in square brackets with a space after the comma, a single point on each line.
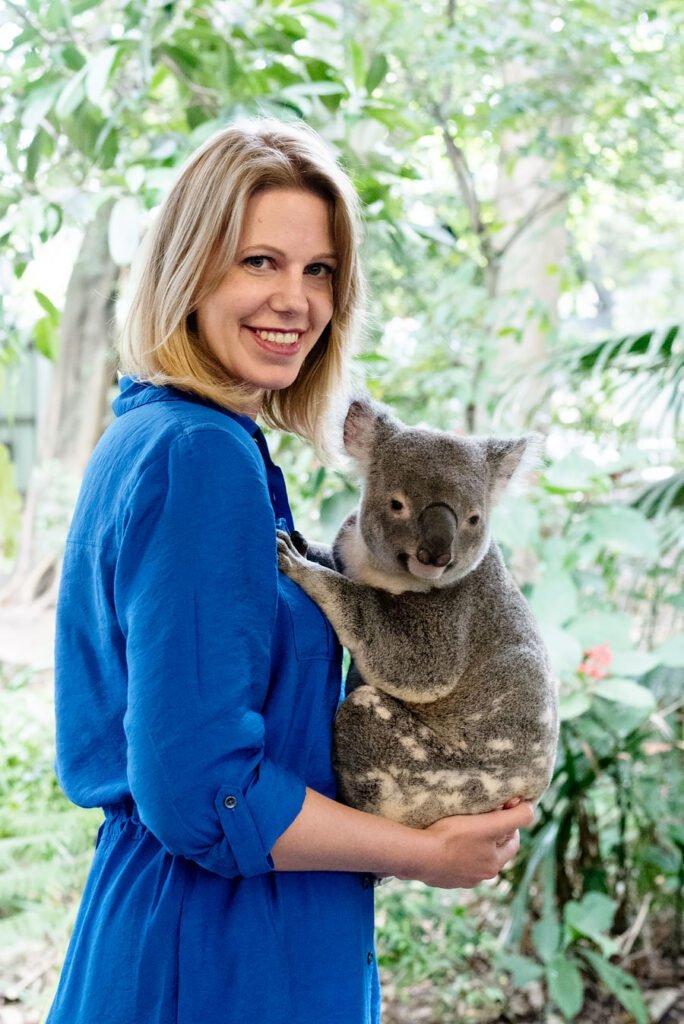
[195, 692]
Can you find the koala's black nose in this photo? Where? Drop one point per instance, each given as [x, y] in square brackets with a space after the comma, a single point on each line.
[437, 528]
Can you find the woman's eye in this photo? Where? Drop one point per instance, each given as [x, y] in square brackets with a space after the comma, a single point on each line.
[320, 270]
[395, 505]
[256, 262]
[473, 520]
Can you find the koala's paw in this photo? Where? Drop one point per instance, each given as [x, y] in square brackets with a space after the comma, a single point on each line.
[300, 542]
[289, 558]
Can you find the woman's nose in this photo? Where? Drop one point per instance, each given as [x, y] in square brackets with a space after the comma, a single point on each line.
[289, 295]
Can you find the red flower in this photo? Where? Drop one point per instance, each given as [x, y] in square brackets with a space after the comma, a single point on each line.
[597, 662]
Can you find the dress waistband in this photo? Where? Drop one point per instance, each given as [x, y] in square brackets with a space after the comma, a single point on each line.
[126, 808]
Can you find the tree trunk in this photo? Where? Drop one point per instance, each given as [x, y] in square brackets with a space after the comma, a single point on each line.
[74, 419]
[534, 244]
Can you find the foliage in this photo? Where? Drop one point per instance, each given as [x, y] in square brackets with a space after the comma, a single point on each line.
[45, 843]
[430, 936]
[562, 954]
[10, 506]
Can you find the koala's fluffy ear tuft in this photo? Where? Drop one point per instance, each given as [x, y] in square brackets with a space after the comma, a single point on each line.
[510, 459]
[359, 428]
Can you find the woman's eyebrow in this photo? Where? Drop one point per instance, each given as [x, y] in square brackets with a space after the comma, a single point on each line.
[279, 252]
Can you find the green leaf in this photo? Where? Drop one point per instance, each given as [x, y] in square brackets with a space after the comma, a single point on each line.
[546, 936]
[515, 523]
[39, 102]
[337, 506]
[376, 72]
[565, 653]
[573, 473]
[592, 917]
[99, 70]
[72, 95]
[124, 230]
[633, 662]
[572, 705]
[671, 652]
[623, 986]
[522, 969]
[598, 627]
[10, 505]
[624, 530]
[566, 987]
[358, 64]
[295, 92]
[554, 599]
[48, 306]
[625, 691]
[72, 57]
[34, 153]
[45, 337]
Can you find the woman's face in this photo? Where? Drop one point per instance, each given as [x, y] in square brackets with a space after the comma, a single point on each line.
[276, 299]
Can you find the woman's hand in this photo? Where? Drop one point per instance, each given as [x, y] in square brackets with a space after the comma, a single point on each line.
[467, 848]
[455, 852]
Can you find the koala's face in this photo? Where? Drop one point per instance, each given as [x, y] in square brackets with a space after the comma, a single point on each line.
[427, 495]
[425, 506]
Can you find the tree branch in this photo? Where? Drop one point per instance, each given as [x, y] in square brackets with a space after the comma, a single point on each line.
[536, 211]
[464, 177]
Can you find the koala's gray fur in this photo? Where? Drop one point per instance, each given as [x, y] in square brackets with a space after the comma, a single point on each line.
[454, 711]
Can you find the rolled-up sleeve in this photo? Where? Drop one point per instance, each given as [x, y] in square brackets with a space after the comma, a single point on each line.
[196, 592]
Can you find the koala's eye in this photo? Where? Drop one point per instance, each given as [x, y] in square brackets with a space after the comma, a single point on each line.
[473, 520]
[396, 505]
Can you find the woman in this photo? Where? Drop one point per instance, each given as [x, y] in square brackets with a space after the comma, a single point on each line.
[195, 685]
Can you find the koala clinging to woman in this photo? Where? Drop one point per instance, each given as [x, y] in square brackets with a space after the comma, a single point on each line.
[450, 705]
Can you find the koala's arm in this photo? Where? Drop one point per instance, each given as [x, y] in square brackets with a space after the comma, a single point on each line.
[319, 553]
[370, 623]
[336, 595]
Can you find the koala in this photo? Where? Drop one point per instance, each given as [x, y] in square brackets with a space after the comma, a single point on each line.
[450, 707]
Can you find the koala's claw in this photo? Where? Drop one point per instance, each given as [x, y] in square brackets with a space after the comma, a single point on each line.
[288, 556]
[300, 542]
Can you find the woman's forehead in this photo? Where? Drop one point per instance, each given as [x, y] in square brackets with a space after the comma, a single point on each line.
[288, 219]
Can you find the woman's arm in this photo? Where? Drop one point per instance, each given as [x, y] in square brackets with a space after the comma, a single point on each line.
[456, 852]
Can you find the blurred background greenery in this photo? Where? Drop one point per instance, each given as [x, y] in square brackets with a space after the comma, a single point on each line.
[520, 167]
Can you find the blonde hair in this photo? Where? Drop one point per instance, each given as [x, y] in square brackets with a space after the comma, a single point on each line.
[193, 243]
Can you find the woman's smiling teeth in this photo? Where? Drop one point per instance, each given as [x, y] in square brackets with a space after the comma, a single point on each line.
[278, 337]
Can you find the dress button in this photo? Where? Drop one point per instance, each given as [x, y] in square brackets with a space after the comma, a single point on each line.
[370, 958]
[230, 802]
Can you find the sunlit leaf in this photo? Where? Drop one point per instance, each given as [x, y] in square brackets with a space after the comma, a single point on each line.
[124, 230]
[572, 705]
[671, 652]
[624, 530]
[554, 599]
[98, 73]
[625, 691]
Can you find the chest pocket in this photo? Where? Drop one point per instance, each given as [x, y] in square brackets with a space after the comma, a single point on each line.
[312, 634]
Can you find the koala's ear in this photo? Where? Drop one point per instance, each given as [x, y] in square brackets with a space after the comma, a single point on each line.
[509, 460]
[359, 428]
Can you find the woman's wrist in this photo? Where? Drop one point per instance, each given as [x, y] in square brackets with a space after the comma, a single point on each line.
[415, 854]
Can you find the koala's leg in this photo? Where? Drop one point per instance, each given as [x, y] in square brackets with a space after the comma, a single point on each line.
[389, 763]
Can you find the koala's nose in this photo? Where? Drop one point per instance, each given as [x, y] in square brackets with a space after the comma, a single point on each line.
[437, 528]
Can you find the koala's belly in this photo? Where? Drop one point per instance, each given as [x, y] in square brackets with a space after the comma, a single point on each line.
[388, 762]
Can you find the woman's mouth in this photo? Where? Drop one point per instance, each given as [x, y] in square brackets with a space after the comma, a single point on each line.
[282, 342]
